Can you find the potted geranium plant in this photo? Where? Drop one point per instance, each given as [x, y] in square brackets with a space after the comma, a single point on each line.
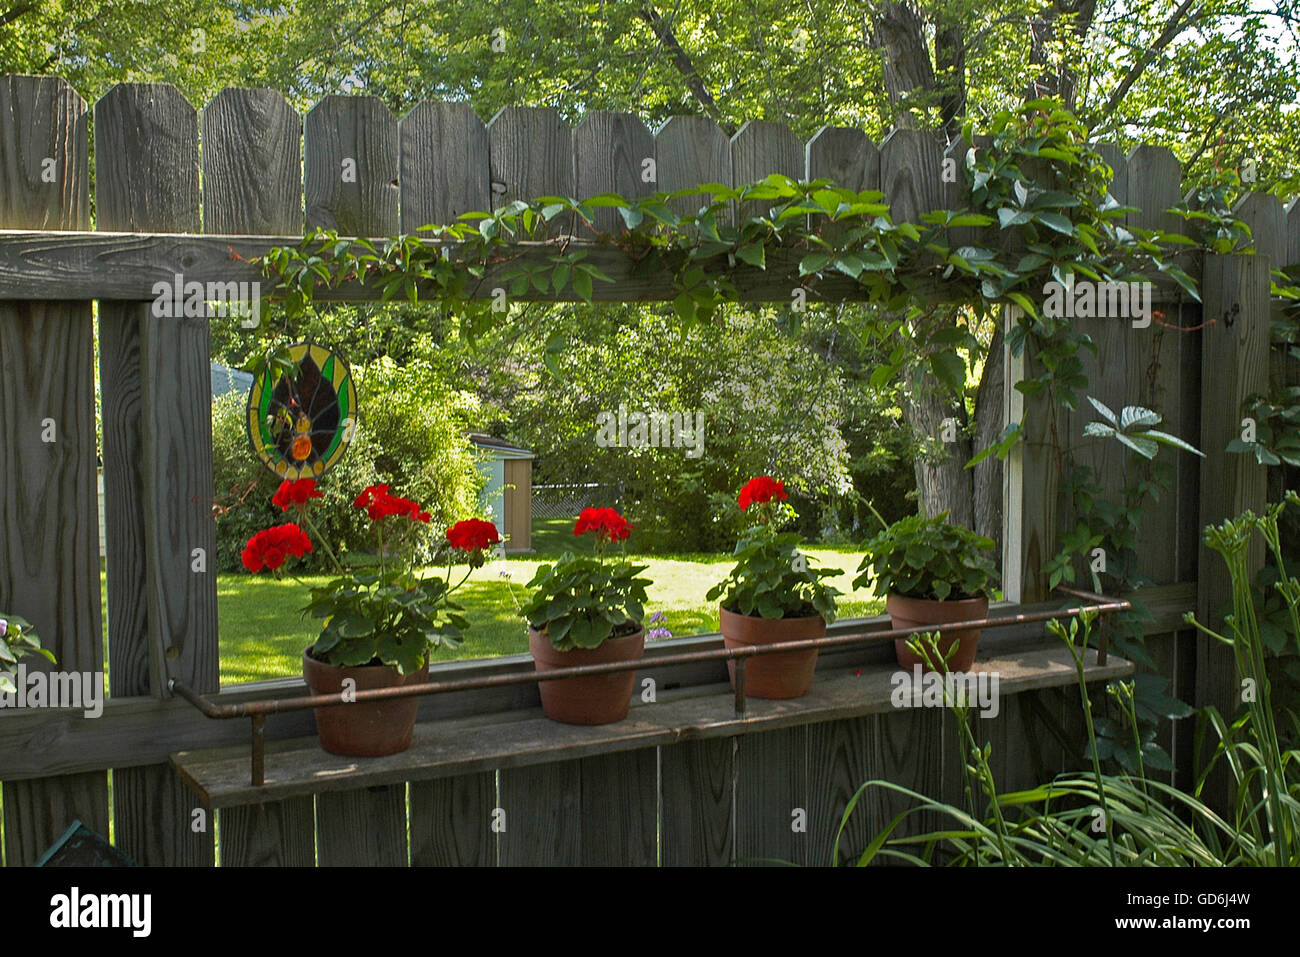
[381, 619]
[773, 595]
[588, 610]
[18, 639]
[932, 572]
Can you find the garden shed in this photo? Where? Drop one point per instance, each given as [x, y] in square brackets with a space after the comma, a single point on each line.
[508, 494]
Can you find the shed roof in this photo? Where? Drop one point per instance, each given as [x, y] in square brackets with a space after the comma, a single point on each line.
[500, 447]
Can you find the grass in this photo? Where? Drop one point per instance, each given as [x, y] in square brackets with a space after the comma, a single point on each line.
[263, 635]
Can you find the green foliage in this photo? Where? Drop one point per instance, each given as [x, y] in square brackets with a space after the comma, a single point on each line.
[418, 423]
[582, 600]
[765, 400]
[1112, 524]
[18, 639]
[1143, 822]
[384, 615]
[1277, 427]
[244, 488]
[411, 433]
[921, 557]
[772, 578]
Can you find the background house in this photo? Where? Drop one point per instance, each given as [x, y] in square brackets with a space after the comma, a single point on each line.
[508, 494]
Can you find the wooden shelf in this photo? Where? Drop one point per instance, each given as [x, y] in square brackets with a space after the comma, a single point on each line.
[518, 738]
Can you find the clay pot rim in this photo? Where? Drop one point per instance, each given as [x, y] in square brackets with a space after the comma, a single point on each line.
[736, 614]
[977, 600]
[639, 633]
[325, 664]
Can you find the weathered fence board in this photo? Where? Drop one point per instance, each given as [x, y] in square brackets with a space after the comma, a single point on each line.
[612, 153]
[838, 764]
[696, 801]
[444, 164]
[252, 164]
[620, 809]
[49, 569]
[350, 166]
[760, 148]
[365, 827]
[453, 821]
[772, 797]
[691, 151]
[530, 151]
[147, 177]
[1235, 357]
[274, 834]
[543, 815]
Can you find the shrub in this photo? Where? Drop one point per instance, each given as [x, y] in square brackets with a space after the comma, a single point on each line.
[244, 488]
[410, 434]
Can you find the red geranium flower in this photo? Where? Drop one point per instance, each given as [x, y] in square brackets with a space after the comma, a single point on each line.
[379, 505]
[607, 523]
[760, 491]
[270, 547]
[291, 493]
[473, 535]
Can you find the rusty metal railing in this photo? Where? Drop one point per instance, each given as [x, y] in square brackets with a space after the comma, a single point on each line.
[258, 710]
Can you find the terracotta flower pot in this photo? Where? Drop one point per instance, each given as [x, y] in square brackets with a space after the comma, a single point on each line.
[788, 674]
[596, 699]
[363, 729]
[915, 612]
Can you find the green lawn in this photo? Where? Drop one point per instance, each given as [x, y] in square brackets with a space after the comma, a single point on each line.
[263, 635]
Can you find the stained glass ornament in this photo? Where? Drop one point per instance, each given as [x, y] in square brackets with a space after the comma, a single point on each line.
[301, 424]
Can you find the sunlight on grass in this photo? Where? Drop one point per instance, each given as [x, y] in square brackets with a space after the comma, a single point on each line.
[263, 634]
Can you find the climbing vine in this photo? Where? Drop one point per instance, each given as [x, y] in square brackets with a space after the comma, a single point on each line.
[1040, 214]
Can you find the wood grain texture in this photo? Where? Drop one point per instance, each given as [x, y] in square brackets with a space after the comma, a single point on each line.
[146, 160]
[252, 163]
[1234, 355]
[530, 154]
[696, 803]
[911, 169]
[620, 809]
[451, 821]
[123, 266]
[691, 151]
[609, 150]
[275, 834]
[179, 494]
[844, 155]
[38, 812]
[147, 166]
[364, 827]
[907, 748]
[759, 149]
[49, 569]
[543, 808]
[772, 797]
[154, 817]
[838, 764]
[350, 166]
[1267, 219]
[445, 167]
[120, 390]
[848, 159]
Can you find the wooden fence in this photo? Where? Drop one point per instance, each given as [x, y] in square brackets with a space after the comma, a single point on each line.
[175, 191]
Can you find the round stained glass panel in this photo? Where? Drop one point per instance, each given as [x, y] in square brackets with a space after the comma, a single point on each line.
[301, 425]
